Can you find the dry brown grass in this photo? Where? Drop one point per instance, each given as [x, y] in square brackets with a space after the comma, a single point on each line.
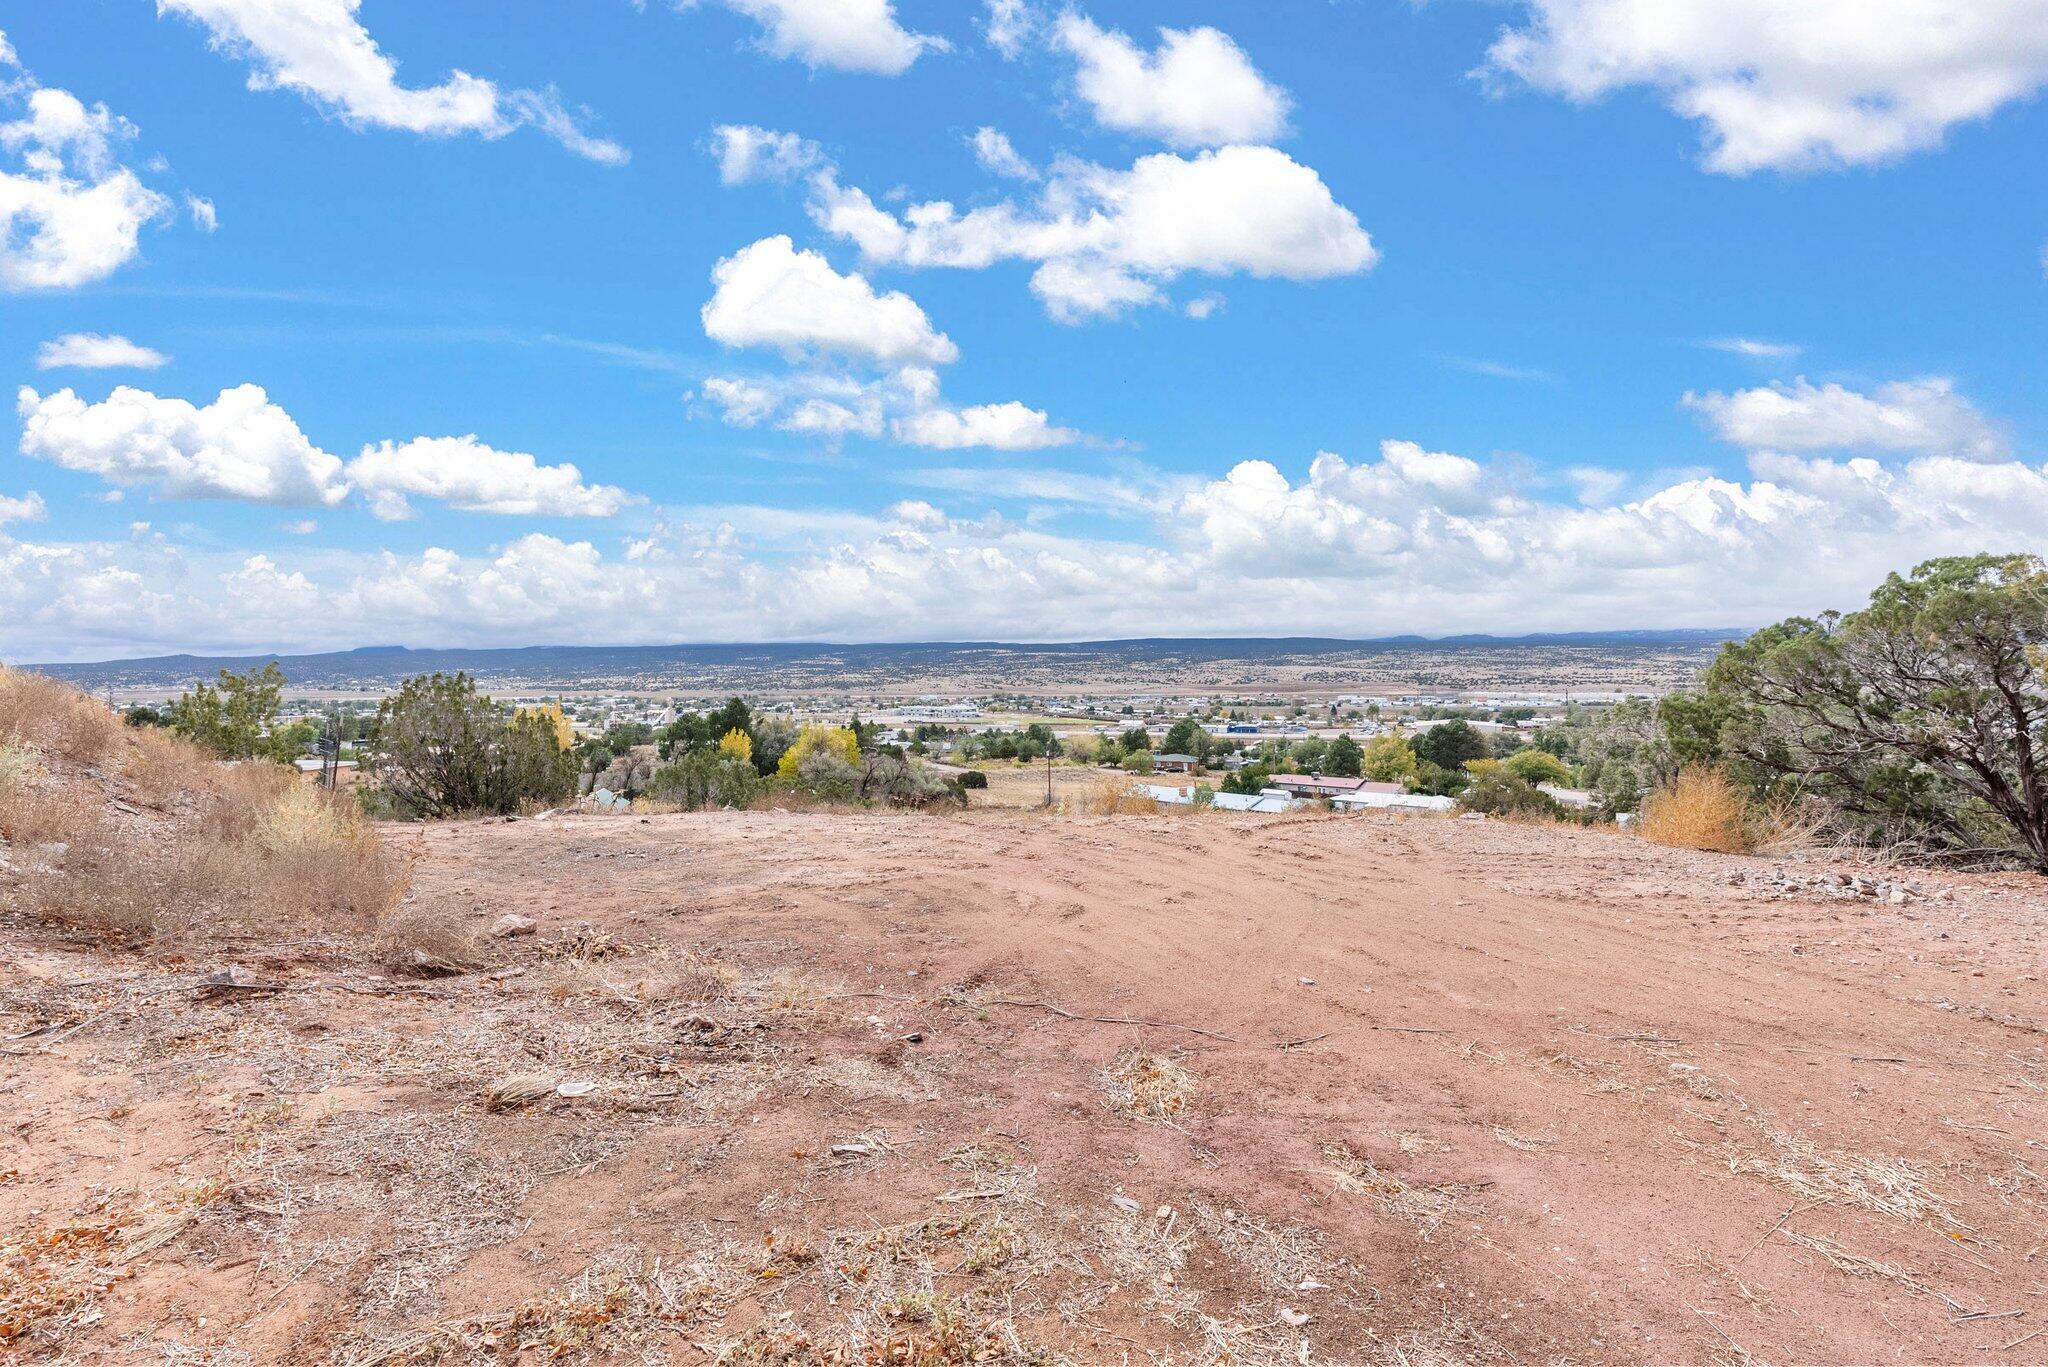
[1701, 810]
[1149, 1086]
[1110, 797]
[424, 937]
[162, 768]
[226, 849]
[40, 714]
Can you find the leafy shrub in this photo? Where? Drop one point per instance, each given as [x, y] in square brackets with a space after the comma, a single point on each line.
[706, 778]
[442, 749]
[239, 719]
[974, 778]
[1497, 790]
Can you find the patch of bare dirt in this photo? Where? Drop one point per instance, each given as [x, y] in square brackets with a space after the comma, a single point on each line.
[1007, 1087]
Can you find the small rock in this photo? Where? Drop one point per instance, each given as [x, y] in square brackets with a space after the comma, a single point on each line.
[511, 924]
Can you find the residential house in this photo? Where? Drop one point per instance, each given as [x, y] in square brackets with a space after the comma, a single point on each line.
[1174, 764]
[1315, 785]
[1398, 800]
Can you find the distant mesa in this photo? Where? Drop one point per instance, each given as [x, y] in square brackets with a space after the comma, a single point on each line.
[370, 667]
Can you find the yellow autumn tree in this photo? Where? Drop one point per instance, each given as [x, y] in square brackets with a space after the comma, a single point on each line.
[835, 740]
[556, 718]
[737, 744]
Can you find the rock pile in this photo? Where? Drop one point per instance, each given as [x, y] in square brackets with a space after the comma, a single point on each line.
[1843, 887]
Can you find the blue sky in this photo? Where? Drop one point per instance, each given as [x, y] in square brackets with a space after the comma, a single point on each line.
[1346, 317]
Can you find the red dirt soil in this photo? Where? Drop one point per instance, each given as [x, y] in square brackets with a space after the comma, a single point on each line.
[1454, 1091]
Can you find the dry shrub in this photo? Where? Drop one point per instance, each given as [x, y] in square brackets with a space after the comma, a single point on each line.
[34, 810]
[163, 769]
[319, 856]
[1788, 826]
[1111, 797]
[425, 937]
[1148, 1085]
[42, 714]
[265, 856]
[1701, 810]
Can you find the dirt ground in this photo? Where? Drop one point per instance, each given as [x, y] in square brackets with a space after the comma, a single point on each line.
[1011, 1087]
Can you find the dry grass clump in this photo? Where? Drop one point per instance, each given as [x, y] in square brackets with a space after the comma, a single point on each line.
[34, 809]
[1427, 1208]
[38, 713]
[1701, 810]
[1110, 797]
[162, 768]
[231, 848]
[425, 938]
[263, 856]
[1147, 1085]
[1884, 1186]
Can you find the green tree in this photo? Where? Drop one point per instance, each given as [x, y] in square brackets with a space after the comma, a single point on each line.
[1138, 762]
[1344, 758]
[237, 720]
[1433, 778]
[622, 736]
[772, 738]
[1538, 766]
[1495, 789]
[1308, 755]
[1920, 719]
[1186, 737]
[1137, 738]
[1388, 759]
[439, 748]
[706, 778]
[1450, 745]
[1251, 779]
[734, 716]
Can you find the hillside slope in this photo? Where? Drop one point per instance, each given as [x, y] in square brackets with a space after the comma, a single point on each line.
[1009, 1087]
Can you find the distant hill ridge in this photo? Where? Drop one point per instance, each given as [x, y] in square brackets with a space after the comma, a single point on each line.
[591, 664]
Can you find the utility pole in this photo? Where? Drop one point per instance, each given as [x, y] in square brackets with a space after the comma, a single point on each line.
[1048, 778]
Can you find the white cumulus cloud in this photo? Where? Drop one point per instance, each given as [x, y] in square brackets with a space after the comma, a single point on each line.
[97, 351]
[320, 50]
[244, 448]
[997, 426]
[1197, 89]
[746, 153]
[771, 294]
[1923, 417]
[1109, 240]
[848, 35]
[1410, 537]
[240, 446]
[997, 154]
[1008, 25]
[464, 473]
[71, 214]
[1790, 85]
[28, 507]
